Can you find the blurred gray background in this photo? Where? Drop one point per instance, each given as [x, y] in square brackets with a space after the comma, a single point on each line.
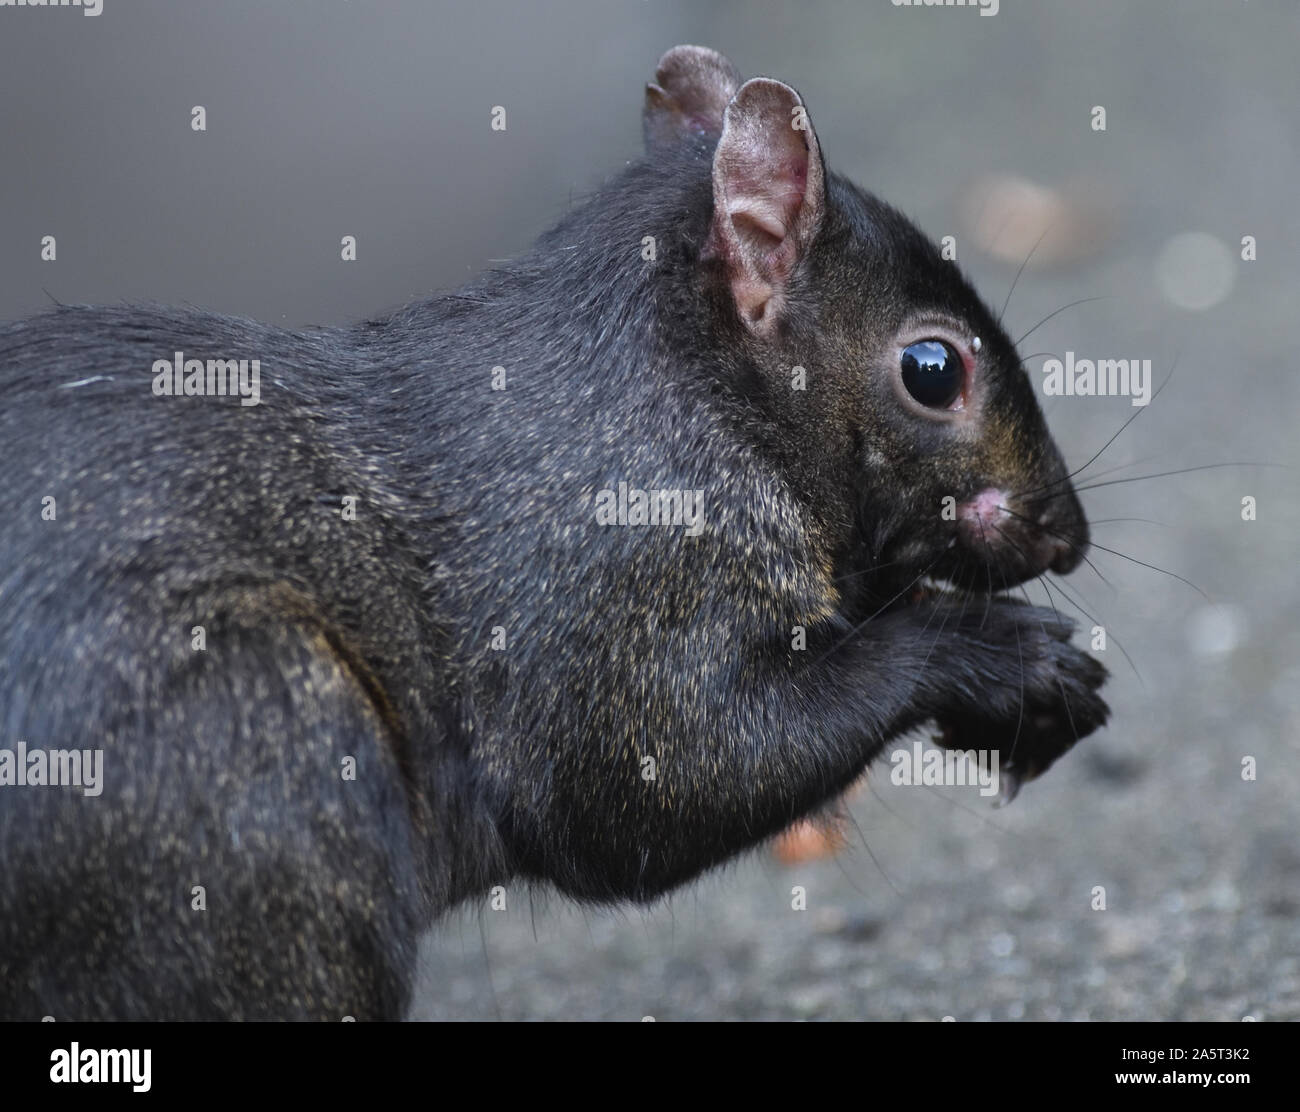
[371, 118]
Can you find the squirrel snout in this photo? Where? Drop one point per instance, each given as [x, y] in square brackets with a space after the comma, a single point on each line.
[990, 524]
[1065, 556]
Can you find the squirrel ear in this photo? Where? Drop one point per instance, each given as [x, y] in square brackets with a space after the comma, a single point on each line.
[689, 94]
[768, 196]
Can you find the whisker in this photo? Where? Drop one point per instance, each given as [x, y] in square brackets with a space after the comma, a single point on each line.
[1065, 699]
[971, 811]
[1182, 471]
[1071, 305]
[862, 837]
[1021, 271]
[864, 571]
[1143, 520]
[1156, 475]
[870, 781]
[1096, 475]
[1113, 552]
[1078, 470]
[857, 628]
[947, 613]
[1122, 466]
[988, 568]
[1153, 567]
[1060, 586]
[1020, 656]
[1059, 537]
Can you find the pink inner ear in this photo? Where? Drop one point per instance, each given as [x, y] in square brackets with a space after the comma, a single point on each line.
[767, 197]
[761, 216]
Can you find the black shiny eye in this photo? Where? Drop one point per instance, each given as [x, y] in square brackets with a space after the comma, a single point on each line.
[933, 373]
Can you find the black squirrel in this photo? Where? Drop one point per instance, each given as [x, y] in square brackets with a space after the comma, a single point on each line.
[358, 652]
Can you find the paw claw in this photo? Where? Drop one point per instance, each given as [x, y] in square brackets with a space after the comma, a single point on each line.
[1009, 782]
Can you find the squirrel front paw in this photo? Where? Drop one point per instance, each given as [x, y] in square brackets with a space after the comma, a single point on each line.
[1029, 694]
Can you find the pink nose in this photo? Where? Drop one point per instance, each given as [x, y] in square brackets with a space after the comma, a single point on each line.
[983, 512]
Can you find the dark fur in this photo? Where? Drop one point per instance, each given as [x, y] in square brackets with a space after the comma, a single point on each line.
[371, 638]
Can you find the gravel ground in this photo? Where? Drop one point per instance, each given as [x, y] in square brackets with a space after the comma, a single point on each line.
[357, 120]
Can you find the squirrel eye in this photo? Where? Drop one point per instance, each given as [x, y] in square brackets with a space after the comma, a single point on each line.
[933, 373]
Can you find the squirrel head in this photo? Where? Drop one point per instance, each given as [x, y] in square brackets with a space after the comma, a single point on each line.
[887, 392]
